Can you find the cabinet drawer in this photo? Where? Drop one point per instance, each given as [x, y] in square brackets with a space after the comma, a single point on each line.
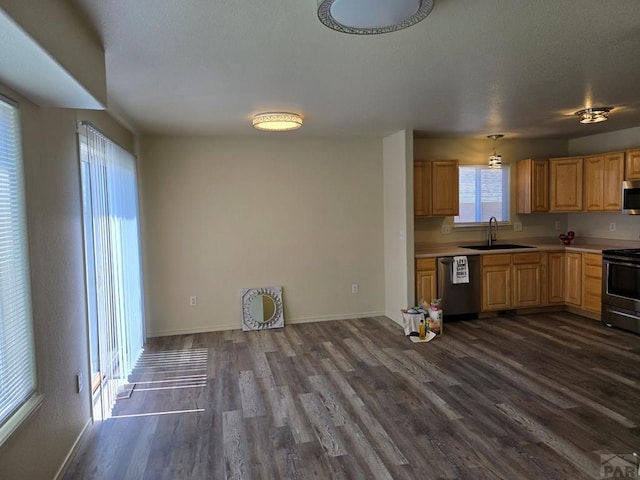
[489, 260]
[593, 259]
[425, 264]
[522, 258]
[593, 271]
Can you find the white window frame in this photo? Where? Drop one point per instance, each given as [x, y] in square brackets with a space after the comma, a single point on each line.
[506, 196]
[19, 397]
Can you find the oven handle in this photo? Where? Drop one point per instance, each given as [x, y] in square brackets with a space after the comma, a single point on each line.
[617, 262]
[622, 314]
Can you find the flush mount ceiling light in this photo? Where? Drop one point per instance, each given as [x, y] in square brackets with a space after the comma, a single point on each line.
[277, 121]
[370, 17]
[594, 115]
[495, 160]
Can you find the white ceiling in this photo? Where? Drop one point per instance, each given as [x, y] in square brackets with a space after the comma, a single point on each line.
[472, 68]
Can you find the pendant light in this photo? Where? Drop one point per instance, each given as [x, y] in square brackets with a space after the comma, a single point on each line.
[495, 160]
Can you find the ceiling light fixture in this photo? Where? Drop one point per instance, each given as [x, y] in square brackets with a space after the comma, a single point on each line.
[277, 121]
[594, 114]
[370, 17]
[495, 160]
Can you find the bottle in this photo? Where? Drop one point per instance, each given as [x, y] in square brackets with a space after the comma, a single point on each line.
[423, 330]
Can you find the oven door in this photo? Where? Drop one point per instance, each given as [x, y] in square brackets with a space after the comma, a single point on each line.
[621, 294]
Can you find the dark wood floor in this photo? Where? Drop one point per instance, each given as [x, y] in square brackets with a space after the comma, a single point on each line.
[520, 397]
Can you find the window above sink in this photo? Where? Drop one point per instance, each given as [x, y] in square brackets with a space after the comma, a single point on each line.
[483, 193]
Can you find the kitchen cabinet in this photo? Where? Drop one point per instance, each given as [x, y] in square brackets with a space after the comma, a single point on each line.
[527, 279]
[565, 184]
[632, 164]
[435, 188]
[496, 282]
[532, 185]
[591, 282]
[555, 278]
[603, 176]
[573, 279]
[422, 188]
[426, 279]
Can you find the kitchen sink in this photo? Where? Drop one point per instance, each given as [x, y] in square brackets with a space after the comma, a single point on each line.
[497, 246]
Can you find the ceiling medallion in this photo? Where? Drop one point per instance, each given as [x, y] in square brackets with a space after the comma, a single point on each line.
[371, 17]
[594, 114]
[277, 121]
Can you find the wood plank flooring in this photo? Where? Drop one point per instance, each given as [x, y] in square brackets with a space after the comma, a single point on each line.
[518, 397]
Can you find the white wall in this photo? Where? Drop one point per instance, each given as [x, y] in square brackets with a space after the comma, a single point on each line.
[225, 213]
[398, 223]
[474, 151]
[52, 177]
[598, 224]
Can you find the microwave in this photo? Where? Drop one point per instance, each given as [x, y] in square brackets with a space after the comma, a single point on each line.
[631, 197]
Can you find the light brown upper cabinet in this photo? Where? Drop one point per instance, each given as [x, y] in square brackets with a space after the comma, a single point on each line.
[565, 184]
[435, 188]
[421, 188]
[532, 185]
[632, 164]
[603, 182]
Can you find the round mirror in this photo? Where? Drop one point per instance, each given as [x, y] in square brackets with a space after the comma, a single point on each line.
[262, 308]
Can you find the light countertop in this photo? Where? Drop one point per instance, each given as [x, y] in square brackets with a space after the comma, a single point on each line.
[585, 245]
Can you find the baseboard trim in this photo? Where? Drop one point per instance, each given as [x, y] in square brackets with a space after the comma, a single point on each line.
[74, 449]
[287, 321]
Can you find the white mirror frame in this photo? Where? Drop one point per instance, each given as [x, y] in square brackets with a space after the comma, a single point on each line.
[249, 297]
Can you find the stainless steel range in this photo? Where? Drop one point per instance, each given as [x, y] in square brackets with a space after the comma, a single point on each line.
[621, 288]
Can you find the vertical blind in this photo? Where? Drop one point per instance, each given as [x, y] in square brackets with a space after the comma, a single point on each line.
[17, 352]
[112, 184]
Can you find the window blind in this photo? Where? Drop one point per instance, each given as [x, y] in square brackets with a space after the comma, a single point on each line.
[111, 184]
[17, 351]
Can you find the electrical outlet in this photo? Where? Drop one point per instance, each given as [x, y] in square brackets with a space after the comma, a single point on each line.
[79, 382]
[446, 229]
[355, 288]
[557, 227]
[517, 227]
[193, 301]
[612, 227]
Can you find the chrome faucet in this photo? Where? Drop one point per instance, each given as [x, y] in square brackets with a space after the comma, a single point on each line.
[492, 236]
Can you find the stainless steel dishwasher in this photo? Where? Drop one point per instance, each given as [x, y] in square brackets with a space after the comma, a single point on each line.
[460, 298]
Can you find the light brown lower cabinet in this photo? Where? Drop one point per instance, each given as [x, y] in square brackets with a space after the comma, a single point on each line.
[555, 278]
[426, 279]
[512, 281]
[591, 282]
[573, 279]
[527, 279]
[496, 282]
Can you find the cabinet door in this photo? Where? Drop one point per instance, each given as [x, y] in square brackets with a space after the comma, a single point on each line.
[496, 282]
[591, 282]
[426, 286]
[613, 173]
[565, 192]
[632, 164]
[593, 183]
[556, 278]
[527, 283]
[532, 186]
[573, 279]
[444, 188]
[421, 188]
